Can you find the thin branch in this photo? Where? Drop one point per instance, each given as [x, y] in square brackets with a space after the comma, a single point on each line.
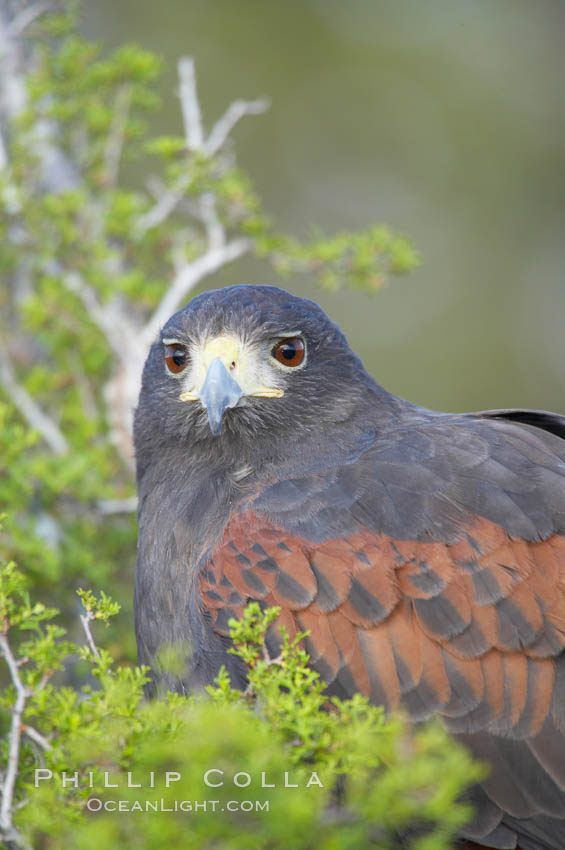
[179, 241]
[43, 681]
[85, 620]
[219, 252]
[190, 105]
[13, 95]
[117, 132]
[233, 114]
[29, 408]
[117, 506]
[188, 278]
[203, 209]
[3, 154]
[89, 403]
[209, 215]
[167, 202]
[36, 737]
[27, 16]
[14, 739]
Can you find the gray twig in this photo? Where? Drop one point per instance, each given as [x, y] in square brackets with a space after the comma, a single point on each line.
[29, 408]
[9, 832]
[27, 16]
[116, 134]
[233, 114]
[190, 105]
[86, 619]
[117, 506]
[167, 202]
[36, 737]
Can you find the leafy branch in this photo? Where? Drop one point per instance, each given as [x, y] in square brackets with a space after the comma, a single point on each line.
[45, 655]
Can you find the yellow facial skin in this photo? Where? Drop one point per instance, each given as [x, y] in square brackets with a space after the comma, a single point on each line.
[248, 365]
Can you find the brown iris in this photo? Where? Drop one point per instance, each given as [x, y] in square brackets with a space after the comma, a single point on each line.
[289, 352]
[176, 357]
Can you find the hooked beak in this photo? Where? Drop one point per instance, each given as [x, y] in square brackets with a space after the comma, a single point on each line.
[219, 392]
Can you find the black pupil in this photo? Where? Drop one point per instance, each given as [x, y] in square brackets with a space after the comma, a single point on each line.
[288, 350]
[179, 357]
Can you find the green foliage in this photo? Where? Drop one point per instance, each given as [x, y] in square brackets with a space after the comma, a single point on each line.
[98, 609]
[285, 767]
[358, 260]
[53, 525]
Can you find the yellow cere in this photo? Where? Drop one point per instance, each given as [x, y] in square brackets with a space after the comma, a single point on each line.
[228, 349]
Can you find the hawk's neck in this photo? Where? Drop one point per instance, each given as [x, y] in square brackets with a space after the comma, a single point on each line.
[182, 517]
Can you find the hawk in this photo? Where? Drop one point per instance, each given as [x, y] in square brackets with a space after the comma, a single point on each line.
[424, 551]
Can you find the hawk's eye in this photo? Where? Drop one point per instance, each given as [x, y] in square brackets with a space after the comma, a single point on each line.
[289, 352]
[176, 357]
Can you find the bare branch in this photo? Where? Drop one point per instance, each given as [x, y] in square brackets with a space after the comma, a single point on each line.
[13, 95]
[214, 227]
[219, 252]
[36, 737]
[189, 277]
[117, 506]
[116, 134]
[203, 209]
[3, 154]
[234, 113]
[85, 620]
[179, 241]
[190, 105]
[88, 398]
[14, 740]
[27, 16]
[29, 408]
[43, 681]
[167, 202]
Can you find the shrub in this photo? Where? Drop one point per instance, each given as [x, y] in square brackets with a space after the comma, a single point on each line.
[276, 766]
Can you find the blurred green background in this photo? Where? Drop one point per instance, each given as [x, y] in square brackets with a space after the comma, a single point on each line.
[445, 119]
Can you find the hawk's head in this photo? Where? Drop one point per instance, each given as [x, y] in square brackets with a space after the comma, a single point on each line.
[247, 362]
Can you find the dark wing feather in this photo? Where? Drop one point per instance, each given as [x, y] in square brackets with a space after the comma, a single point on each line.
[436, 581]
[554, 423]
